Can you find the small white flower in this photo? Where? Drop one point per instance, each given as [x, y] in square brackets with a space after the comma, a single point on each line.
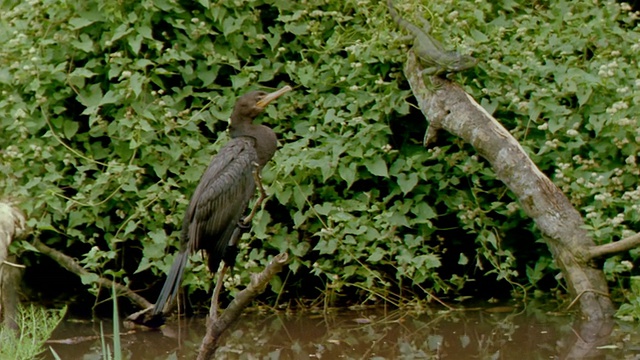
[618, 219]
[627, 264]
[625, 121]
[630, 160]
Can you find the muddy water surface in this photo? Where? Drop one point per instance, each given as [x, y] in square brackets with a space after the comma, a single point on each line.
[491, 333]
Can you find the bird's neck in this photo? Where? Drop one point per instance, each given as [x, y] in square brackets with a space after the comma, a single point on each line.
[264, 138]
[243, 127]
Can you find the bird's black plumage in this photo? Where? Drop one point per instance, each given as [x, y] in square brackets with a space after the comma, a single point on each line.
[224, 191]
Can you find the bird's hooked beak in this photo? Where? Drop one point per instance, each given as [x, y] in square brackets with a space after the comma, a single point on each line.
[262, 103]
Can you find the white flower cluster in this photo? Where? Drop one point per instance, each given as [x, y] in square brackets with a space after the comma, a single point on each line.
[617, 220]
[633, 195]
[607, 70]
[602, 197]
[617, 106]
[625, 121]
[232, 280]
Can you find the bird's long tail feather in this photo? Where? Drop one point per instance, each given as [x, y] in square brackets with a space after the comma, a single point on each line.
[172, 284]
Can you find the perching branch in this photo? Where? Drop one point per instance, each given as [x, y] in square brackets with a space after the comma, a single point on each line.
[73, 266]
[215, 327]
[213, 309]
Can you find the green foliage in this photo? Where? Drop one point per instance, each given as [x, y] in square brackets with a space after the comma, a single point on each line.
[569, 96]
[630, 310]
[106, 108]
[36, 326]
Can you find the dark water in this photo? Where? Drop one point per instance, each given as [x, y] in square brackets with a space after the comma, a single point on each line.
[376, 334]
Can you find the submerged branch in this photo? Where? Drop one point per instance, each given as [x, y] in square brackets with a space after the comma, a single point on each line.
[215, 327]
[73, 266]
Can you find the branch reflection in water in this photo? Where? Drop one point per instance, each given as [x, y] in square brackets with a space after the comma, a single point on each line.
[374, 333]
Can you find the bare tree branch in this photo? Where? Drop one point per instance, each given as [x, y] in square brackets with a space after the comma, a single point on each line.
[215, 327]
[619, 246]
[73, 266]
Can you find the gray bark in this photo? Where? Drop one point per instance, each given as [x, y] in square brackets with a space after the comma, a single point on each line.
[450, 108]
[12, 225]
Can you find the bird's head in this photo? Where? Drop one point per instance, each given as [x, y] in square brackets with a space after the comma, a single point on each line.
[253, 103]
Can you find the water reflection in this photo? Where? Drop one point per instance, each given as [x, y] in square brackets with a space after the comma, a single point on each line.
[376, 334]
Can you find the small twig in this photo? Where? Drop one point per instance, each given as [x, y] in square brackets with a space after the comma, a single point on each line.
[438, 300]
[577, 334]
[586, 291]
[80, 339]
[14, 264]
[72, 150]
[263, 195]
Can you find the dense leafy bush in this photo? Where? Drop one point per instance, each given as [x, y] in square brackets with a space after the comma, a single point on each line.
[107, 110]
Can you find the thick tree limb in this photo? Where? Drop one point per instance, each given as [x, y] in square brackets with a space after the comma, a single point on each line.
[448, 107]
[619, 246]
[12, 225]
[215, 327]
[73, 266]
